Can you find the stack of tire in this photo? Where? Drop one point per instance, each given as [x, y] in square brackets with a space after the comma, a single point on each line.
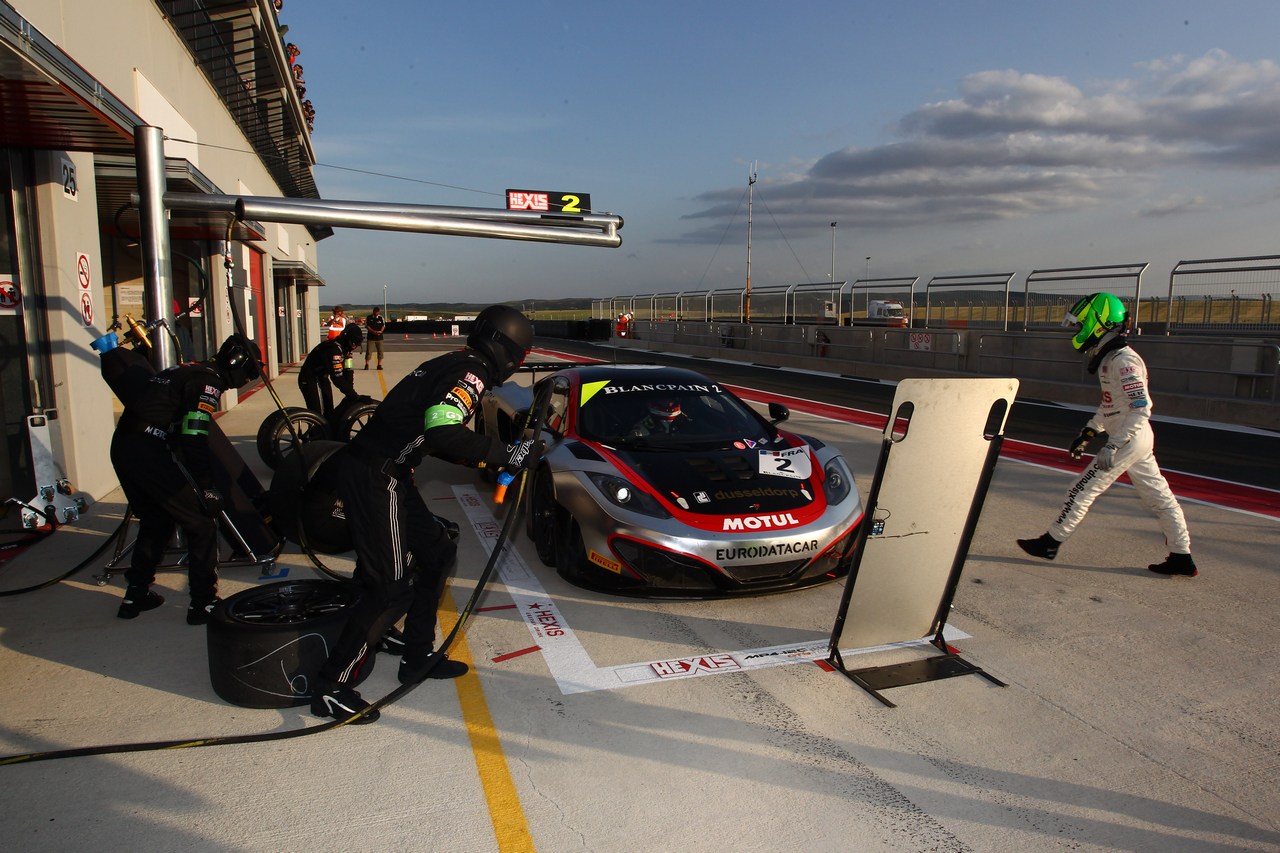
[276, 437]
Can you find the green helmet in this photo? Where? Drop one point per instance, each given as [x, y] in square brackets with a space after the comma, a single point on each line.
[1095, 316]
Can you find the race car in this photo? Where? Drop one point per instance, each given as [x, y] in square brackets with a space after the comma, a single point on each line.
[657, 481]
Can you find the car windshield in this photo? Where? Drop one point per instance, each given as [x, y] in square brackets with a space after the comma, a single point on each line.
[670, 417]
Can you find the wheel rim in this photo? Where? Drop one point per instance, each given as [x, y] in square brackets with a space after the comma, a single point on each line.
[307, 431]
[288, 604]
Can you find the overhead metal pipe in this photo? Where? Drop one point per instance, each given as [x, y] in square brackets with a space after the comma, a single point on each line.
[588, 230]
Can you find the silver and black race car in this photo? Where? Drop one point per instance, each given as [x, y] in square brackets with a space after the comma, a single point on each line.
[658, 481]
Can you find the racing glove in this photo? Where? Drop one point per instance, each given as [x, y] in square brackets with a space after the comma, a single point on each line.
[1081, 441]
[212, 502]
[522, 454]
[1106, 458]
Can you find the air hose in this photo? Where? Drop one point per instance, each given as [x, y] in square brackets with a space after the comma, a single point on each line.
[537, 416]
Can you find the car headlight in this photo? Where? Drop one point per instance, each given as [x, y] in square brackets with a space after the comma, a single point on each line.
[837, 482]
[622, 494]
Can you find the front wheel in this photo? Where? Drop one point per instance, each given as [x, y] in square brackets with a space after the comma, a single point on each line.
[544, 514]
[571, 553]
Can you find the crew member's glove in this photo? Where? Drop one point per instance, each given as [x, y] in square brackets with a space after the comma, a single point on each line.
[1081, 441]
[212, 500]
[1106, 457]
[522, 454]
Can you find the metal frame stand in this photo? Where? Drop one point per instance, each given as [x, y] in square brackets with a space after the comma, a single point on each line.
[245, 555]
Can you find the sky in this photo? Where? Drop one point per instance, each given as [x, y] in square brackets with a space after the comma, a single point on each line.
[943, 138]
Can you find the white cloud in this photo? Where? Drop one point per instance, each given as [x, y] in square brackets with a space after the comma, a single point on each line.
[1014, 145]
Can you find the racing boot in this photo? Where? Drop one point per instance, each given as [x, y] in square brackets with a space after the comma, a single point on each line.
[416, 667]
[342, 702]
[1176, 564]
[1045, 547]
[392, 642]
[138, 599]
[200, 609]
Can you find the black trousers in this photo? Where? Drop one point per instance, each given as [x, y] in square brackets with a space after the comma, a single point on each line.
[162, 498]
[402, 562]
[317, 393]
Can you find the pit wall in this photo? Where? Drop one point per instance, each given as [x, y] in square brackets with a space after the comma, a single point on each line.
[1224, 380]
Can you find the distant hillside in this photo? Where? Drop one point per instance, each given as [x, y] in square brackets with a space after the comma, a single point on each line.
[542, 307]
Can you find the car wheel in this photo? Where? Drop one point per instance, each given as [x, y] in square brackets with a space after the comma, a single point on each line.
[267, 430]
[353, 420]
[279, 439]
[268, 643]
[543, 518]
[571, 553]
[480, 427]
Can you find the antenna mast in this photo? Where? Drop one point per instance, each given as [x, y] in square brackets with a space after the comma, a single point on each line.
[746, 305]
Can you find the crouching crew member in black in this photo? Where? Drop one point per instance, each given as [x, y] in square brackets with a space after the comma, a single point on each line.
[160, 451]
[329, 364]
[403, 551]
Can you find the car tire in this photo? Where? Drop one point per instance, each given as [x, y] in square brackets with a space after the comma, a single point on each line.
[479, 426]
[543, 520]
[267, 644]
[571, 553]
[352, 420]
[275, 439]
[304, 499]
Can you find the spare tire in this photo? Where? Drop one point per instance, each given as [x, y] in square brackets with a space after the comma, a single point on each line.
[267, 644]
[304, 499]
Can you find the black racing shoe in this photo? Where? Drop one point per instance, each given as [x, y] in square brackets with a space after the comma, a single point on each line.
[1044, 547]
[138, 599]
[199, 611]
[1176, 564]
[392, 642]
[342, 703]
[433, 665]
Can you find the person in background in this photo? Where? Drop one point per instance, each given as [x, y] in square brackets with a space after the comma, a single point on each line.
[1123, 421]
[403, 552]
[160, 452]
[337, 322]
[374, 325]
[329, 364]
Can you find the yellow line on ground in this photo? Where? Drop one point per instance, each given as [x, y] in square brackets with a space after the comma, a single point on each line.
[507, 815]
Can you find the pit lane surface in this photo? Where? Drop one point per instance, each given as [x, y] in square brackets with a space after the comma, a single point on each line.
[1140, 712]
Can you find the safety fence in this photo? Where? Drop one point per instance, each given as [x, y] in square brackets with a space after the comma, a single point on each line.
[1211, 296]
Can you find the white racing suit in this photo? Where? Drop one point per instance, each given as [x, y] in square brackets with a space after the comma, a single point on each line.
[1125, 416]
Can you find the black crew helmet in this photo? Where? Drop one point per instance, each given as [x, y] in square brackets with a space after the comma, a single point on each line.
[239, 360]
[351, 337]
[504, 337]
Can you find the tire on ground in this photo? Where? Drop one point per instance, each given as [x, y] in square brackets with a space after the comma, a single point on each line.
[267, 644]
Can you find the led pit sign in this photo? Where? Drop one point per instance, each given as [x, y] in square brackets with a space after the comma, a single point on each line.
[545, 201]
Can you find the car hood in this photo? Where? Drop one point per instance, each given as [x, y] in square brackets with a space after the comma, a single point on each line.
[717, 483]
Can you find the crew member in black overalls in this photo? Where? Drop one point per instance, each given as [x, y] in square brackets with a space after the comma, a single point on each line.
[160, 451]
[374, 324]
[403, 553]
[328, 365]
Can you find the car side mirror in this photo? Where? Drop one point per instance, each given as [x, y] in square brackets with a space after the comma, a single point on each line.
[778, 412]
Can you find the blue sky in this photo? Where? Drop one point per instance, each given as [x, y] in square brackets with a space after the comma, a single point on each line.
[943, 137]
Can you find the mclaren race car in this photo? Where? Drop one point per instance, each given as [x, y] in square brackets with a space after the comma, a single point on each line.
[657, 481]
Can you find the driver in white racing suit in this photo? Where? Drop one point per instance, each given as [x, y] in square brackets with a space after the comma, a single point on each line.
[1123, 418]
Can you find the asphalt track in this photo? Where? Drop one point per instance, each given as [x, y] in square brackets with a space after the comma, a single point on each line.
[1140, 712]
